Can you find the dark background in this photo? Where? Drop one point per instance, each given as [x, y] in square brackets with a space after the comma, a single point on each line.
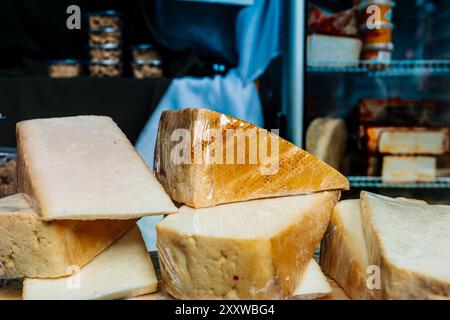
[34, 32]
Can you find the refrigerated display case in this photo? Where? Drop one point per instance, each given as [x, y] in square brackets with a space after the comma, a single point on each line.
[401, 100]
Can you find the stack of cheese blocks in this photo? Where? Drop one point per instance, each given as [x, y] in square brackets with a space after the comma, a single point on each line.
[243, 232]
[71, 233]
[378, 247]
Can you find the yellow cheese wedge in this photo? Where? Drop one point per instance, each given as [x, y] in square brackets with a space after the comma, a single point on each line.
[202, 159]
[121, 271]
[257, 249]
[31, 247]
[85, 168]
[343, 252]
[410, 243]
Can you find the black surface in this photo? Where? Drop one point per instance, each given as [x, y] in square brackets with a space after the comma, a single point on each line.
[129, 102]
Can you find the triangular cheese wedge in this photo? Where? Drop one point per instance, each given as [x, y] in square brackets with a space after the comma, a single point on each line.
[85, 168]
[257, 249]
[343, 252]
[204, 158]
[410, 243]
[121, 271]
[313, 284]
[31, 247]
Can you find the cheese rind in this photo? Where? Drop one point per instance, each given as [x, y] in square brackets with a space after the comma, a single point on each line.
[123, 270]
[326, 138]
[31, 247]
[313, 284]
[343, 252]
[198, 162]
[409, 242]
[249, 250]
[85, 168]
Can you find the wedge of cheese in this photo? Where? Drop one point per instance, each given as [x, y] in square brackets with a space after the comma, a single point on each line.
[343, 252]
[313, 284]
[326, 138]
[404, 169]
[85, 168]
[204, 158]
[121, 271]
[249, 250]
[410, 243]
[31, 247]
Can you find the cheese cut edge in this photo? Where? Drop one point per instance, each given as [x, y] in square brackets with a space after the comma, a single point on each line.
[397, 283]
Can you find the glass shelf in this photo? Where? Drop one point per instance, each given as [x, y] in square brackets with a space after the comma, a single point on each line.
[396, 68]
[376, 182]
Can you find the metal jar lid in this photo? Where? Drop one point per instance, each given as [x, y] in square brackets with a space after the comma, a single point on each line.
[364, 4]
[379, 47]
[381, 25]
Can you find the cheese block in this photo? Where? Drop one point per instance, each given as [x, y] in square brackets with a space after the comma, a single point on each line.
[425, 141]
[404, 169]
[257, 249]
[410, 243]
[31, 247]
[313, 284]
[85, 168]
[343, 252]
[326, 138]
[121, 271]
[202, 159]
[407, 140]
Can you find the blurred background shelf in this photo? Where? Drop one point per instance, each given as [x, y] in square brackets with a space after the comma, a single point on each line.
[396, 68]
[376, 182]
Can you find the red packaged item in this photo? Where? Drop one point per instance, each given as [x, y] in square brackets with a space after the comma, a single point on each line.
[340, 24]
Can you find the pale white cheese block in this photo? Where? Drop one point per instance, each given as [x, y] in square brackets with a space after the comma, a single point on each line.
[404, 169]
[324, 50]
[344, 255]
[413, 142]
[313, 284]
[31, 247]
[410, 243]
[85, 168]
[123, 270]
[248, 250]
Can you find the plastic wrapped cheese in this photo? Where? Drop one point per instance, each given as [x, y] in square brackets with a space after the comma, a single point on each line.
[204, 158]
[343, 252]
[31, 247]
[257, 249]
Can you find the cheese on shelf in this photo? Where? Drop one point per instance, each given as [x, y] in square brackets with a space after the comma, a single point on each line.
[204, 158]
[31, 247]
[410, 242]
[85, 168]
[121, 271]
[248, 250]
[404, 169]
[343, 252]
[326, 138]
[414, 142]
[313, 284]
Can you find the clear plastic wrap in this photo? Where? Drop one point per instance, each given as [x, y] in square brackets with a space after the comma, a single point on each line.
[249, 250]
[204, 158]
[343, 251]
